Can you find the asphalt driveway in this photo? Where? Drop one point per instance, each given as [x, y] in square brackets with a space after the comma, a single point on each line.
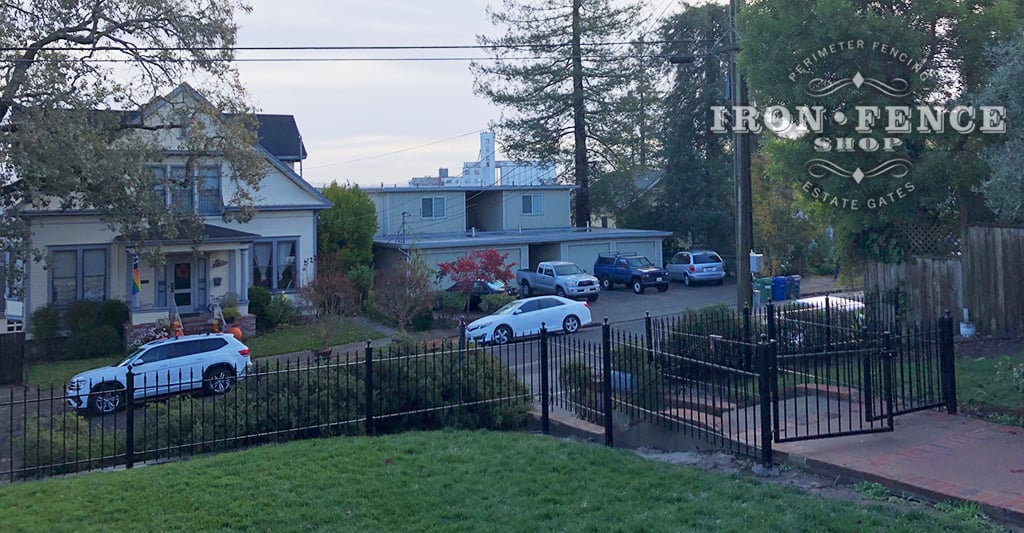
[620, 304]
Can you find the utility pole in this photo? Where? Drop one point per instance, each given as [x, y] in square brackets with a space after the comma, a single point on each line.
[741, 159]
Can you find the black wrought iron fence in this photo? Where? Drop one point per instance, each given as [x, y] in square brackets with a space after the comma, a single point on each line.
[358, 393]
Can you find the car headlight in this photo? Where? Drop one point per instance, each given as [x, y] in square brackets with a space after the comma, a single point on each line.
[76, 384]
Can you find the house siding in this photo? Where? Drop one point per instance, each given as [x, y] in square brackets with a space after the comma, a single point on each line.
[391, 205]
[556, 212]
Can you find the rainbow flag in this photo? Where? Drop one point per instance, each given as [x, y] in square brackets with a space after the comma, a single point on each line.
[136, 284]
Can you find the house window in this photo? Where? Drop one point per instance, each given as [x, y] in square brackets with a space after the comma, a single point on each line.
[273, 264]
[183, 193]
[78, 274]
[533, 204]
[432, 207]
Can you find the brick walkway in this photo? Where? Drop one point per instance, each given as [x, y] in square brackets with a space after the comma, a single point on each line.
[931, 454]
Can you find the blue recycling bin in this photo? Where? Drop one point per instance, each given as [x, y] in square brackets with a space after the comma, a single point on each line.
[779, 288]
[793, 287]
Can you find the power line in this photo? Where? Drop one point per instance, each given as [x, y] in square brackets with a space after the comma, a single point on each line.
[409, 149]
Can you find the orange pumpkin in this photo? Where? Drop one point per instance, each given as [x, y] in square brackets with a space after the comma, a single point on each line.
[236, 331]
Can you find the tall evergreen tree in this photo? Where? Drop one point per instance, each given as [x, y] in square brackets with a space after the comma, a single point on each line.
[560, 79]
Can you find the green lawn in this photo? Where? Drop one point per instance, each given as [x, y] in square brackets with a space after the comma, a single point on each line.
[285, 339]
[984, 386]
[440, 481]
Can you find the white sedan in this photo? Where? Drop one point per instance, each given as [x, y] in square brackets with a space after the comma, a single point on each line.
[523, 318]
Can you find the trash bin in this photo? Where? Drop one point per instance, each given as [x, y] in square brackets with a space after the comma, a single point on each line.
[779, 288]
[793, 287]
[763, 290]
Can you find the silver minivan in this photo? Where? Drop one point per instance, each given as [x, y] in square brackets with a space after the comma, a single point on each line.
[696, 266]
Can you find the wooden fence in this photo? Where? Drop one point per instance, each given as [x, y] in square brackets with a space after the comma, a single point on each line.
[12, 357]
[984, 276]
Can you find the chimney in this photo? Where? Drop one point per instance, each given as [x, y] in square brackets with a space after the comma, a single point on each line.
[442, 172]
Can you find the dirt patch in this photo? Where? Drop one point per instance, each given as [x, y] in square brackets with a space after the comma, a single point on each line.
[988, 347]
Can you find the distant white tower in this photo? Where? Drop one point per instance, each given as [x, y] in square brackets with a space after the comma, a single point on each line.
[486, 159]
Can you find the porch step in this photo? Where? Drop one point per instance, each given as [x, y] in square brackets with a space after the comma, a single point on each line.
[700, 419]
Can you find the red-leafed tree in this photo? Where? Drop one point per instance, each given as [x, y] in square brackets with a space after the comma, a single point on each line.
[486, 265]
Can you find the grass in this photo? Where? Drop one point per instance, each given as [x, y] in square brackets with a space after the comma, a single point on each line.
[985, 387]
[285, 339]
[439, 481]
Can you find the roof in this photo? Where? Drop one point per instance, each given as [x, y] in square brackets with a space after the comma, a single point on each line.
[498, 238]
[279, 135]
[210, 234]
[470, 188]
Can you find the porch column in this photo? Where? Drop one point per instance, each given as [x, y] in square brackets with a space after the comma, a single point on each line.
[244, 267]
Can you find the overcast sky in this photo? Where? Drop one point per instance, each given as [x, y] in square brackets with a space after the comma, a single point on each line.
[367, 121]
[355, 115]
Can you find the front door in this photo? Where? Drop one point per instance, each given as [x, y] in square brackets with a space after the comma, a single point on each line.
[182, 276]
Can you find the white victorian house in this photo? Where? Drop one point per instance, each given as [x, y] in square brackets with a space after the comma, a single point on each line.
[85, 259]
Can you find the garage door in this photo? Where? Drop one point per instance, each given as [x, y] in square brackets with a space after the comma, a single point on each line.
[584, 255]
[645, 248]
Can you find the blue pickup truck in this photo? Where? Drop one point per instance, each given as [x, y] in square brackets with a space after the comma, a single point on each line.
[633, 270]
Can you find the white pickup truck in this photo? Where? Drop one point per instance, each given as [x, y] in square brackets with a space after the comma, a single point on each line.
[560, 278]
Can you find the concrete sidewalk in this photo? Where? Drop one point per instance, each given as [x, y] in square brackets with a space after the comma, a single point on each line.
[938, 456]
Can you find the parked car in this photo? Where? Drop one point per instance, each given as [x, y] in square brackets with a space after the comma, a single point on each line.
[480, 288]
[523, 318]
[560, 278]
[164, 366]
[635, 271]
[696, 266]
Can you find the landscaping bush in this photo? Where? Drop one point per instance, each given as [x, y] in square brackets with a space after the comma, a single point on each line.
[493, 302]
[65, 444]
[81, 316]
[422, 321]
[582, 390]
[45, 327]
[259, 299]
[645, 387]
[451, 302]
[279, 311]
[114, 313]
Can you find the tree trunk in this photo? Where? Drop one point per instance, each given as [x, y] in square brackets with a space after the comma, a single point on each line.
[581, 207]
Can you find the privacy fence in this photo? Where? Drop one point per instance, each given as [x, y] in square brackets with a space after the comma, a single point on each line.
[736, 381]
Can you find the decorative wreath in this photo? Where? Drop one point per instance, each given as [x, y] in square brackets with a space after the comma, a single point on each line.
[182, 271]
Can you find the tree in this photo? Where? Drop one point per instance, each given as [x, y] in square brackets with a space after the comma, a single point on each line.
[566, 92]
[1003, 191]
[403, 291]
[73, 78]
[330, 294]
[348, 227]
[794, 54]
[695, 197]
[488, 265]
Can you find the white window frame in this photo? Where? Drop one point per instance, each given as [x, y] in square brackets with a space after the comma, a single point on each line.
[536, 204]
[434, 202]
[79, 275]
[201, 176]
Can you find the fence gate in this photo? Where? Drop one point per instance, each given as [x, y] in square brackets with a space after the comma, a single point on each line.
[831, 394]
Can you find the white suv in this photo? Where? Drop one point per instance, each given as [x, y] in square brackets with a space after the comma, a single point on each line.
[164, 366]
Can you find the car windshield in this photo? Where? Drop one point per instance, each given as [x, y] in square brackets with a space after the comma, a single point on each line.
[706, 258]
[130, 358]
[636, 262]
[498, 286]
[508, 308]
[568, 270]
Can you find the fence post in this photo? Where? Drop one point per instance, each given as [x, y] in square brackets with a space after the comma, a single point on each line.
[462, 333]
[764, 377]
[606, 373]
[887, 355]
[947, 362]
[747, 353]
[869, 393]
[129, 421]
[545, 394]
[828, 325]
[773, 335]
[369, 388]
[649, 332]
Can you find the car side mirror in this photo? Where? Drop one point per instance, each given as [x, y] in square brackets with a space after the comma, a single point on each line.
[517, 311]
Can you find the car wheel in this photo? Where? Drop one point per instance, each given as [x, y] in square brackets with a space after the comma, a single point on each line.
[638, 286]
[606, 283]
[686, 280]
[571, 324]
[502, 335]
[524, 289]
[663, 287]
[107, 399]
[560, 292]
[218, 380]
[593, 297]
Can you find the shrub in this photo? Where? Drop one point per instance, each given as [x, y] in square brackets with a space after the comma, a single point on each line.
[451, 302]
[228, 299]
[259, 299]
[81, 316]
[230, 314]
[67, 443]
[280, 310]
[493, 302]
[45, 328]
[114, 313]
[423, 320]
